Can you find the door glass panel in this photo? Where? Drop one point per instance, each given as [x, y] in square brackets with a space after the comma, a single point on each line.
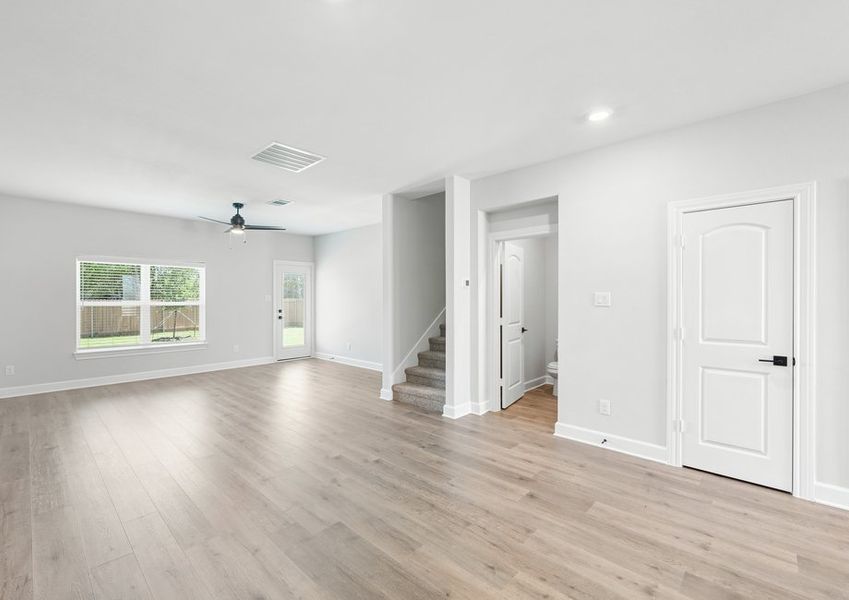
[293, 309]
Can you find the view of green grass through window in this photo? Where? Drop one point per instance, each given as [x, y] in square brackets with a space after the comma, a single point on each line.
[123, 305]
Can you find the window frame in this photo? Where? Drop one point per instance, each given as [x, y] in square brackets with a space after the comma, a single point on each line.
[144, 302]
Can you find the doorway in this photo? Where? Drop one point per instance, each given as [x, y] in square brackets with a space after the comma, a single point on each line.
[738, 363]
[525, 328]
[293, 310]
[741, 337]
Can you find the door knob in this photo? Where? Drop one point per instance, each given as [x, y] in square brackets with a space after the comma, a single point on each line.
[778, 361]
[524, 329]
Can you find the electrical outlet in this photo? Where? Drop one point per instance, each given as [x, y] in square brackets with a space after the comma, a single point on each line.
[236, 348]
[604, 407]
[603, 299]
[10, 369]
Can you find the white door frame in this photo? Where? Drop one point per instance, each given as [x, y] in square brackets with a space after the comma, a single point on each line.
[491, 322]
[804, 320]
[310, 306]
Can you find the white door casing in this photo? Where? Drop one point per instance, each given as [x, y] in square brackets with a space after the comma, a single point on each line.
[293, 310]
[737, 311]
[512, 324]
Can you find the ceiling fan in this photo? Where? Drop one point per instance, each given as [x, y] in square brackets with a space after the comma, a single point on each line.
[237, 222]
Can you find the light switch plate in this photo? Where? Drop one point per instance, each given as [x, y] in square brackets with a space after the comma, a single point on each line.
[604, 407]
[602, 299]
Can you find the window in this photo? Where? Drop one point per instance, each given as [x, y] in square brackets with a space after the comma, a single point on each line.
[128, 304]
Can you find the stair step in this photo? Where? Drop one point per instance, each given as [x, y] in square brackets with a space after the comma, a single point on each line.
[428, 376]
[431, 358]
[442, 329]
[437, 343]
[428, 398]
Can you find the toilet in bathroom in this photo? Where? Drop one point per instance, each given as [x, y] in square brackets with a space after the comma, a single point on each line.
[551, 369]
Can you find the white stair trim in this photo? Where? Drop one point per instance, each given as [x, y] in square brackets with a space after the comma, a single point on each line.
[412, 358]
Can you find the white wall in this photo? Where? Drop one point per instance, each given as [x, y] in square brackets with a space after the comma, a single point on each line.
[348, 295]
[38, 271]
[419, 268]
[612, 236]
[540, 291]
[533, 214]
[551, 289]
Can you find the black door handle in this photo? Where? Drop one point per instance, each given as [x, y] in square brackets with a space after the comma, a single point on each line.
[778, 361]
[524, 329]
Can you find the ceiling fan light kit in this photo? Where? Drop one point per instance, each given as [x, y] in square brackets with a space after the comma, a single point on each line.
[238, 226]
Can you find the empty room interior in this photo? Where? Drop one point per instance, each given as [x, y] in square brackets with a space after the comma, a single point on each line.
[351, 299]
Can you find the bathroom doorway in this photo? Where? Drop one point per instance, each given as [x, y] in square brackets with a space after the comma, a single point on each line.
[524, 327]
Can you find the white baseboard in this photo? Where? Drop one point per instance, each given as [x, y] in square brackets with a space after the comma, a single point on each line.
[74, 384]
[478, 408]
[386, 394]
[353, 362]
[539, 382]
[832, 495]
[614, 442]
[455, 412]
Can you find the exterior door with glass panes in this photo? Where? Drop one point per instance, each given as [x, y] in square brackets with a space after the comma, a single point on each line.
[292, 310]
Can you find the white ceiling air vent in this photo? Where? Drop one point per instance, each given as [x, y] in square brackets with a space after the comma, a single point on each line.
[287, 157]
[279, 202]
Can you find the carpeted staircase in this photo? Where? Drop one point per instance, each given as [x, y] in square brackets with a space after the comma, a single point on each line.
[425, 385]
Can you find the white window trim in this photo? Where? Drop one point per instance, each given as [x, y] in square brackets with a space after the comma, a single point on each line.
[146, 347]
[87, 353]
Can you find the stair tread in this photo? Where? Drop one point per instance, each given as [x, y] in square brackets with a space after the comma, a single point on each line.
[437, 339]
[432, 354]
[415, 389]
[430, 372]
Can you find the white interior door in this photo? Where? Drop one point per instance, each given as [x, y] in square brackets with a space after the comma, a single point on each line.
[512, 324]
[738, 313]
[292, 310]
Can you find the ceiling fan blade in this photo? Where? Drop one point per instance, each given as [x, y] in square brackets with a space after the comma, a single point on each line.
[265, 228]
[214, 220]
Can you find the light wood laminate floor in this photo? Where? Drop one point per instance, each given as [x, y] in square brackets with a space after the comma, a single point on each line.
[295, 481]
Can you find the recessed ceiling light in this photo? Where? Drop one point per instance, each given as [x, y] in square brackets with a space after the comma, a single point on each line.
[599, 114]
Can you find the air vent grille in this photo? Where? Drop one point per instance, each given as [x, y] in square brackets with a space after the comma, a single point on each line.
[286, 157]
[279, 202]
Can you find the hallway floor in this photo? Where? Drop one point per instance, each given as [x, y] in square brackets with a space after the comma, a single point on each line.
[295, 481]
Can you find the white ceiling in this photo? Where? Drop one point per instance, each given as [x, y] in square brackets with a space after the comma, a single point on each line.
[157, 106]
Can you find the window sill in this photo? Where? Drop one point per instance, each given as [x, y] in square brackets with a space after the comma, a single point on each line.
[137, 350]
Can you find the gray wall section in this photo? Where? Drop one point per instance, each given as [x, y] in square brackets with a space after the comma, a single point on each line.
[38, 280]
[349, 305]
[419, 230]
[613, 237]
